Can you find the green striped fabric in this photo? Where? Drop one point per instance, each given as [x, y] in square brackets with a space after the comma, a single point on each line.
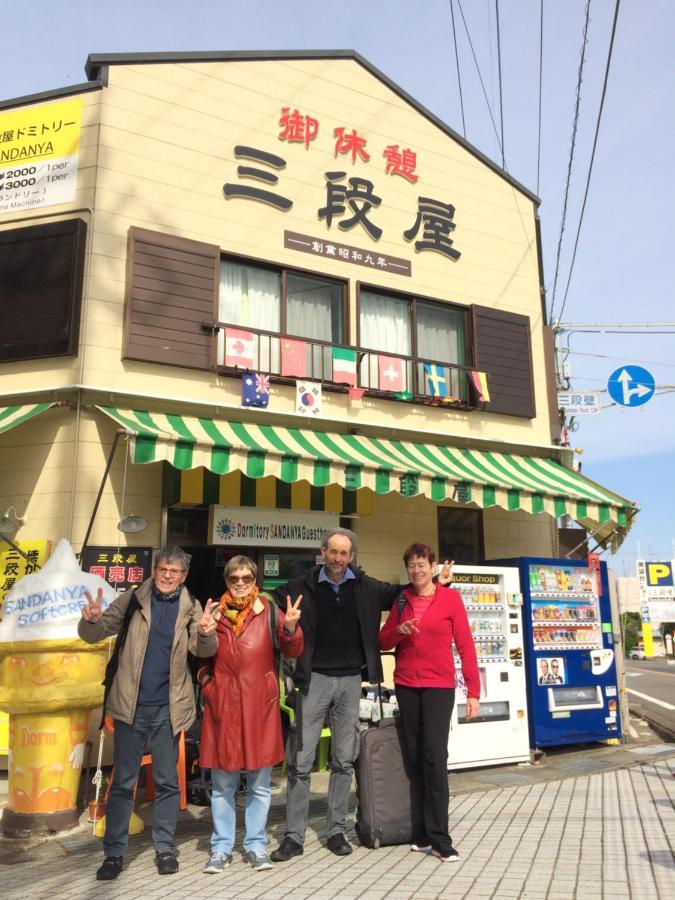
[11, 416]
[483, 478]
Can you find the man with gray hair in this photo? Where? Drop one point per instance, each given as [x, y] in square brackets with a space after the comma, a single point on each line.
[149, 694]
[340, 618]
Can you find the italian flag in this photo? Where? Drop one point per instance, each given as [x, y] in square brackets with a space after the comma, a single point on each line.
[344, 366]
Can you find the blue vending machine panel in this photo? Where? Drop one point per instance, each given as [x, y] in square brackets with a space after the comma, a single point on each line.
[569, 652]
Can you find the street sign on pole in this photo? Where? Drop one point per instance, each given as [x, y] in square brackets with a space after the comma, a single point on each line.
[631, 386]
[579, 403]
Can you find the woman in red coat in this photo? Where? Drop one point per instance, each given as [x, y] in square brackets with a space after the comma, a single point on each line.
[423, 631]
[241, 730]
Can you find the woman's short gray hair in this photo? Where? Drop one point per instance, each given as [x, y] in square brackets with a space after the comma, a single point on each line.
[173, 554]
[345, 532]
[239, 562]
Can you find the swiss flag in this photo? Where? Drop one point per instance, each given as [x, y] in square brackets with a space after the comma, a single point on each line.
[390, 373]
[238, 348]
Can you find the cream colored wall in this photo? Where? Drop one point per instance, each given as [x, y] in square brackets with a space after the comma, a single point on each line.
[397, 522]
[54, 458]
[167, 134]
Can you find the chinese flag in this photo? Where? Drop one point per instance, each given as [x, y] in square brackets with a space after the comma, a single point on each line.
[238, 348]
[293, 357]
[390, 373]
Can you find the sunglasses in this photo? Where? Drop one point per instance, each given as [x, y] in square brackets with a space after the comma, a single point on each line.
[171, 573]
[245, 579]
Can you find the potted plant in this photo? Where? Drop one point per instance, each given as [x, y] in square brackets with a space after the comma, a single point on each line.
[97, 807]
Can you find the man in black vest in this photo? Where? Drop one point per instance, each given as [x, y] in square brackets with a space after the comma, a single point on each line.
[341, 615]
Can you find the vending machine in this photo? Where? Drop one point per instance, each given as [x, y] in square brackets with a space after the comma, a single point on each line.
[571, 669]
[493, 603]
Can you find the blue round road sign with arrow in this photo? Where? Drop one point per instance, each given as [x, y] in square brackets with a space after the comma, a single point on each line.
[631, 386]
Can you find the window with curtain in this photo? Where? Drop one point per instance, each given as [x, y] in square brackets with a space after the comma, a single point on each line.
[410, 327]
[256, 297]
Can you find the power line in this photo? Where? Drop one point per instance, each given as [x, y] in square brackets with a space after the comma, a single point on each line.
[595, 144]
[459, 77]
[480, 77]
[499, 69]
[541, 68]
[575, 124]
[628, 359]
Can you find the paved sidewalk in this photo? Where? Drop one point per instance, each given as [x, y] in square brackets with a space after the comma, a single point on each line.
[602, 835]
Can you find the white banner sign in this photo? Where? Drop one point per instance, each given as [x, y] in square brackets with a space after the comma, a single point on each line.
[579, 404]
[256, 527]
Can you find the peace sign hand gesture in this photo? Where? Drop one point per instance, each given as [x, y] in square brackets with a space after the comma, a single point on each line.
[292, 616]
[445, 575]
[207, 624]
[92, 610]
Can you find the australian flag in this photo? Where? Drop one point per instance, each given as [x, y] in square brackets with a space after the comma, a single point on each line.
[255, 389]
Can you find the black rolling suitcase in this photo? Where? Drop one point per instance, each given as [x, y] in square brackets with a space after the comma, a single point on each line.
[383, 813]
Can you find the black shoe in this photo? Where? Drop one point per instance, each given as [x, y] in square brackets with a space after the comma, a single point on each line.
[110, 868]
[286, 850]
[446, 853]
[166, 861]
[339, 845]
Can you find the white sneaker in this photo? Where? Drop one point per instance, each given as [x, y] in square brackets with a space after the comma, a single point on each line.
[259, 860]
[217, 863]
[421, 848]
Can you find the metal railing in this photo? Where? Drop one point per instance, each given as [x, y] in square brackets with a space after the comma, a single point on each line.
[419, 380]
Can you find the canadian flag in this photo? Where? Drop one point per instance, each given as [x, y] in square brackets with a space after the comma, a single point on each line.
[238, 348]
[390, 373]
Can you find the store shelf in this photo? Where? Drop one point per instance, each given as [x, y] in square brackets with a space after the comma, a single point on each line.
[487, 636]
[565, 623]
[567, 645]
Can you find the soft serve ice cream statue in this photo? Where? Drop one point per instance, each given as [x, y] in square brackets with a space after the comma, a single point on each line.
[49, 680]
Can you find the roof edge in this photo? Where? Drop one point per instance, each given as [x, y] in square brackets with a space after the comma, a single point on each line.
[97, 61]
[54, 94]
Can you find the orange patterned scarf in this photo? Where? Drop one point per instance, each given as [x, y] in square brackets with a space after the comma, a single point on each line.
[237, 609]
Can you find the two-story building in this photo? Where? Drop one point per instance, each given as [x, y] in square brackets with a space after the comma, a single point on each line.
[185, 227]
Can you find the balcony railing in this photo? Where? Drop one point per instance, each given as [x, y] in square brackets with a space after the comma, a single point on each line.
[432, 382]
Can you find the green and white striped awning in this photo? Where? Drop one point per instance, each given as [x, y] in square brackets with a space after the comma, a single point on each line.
[11, 416]
[483, 478]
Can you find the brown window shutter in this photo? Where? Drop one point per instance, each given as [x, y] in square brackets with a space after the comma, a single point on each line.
[41, 274]
[172, 289]
[502, 349]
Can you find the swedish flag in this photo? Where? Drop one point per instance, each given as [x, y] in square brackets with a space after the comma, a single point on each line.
[435, 380]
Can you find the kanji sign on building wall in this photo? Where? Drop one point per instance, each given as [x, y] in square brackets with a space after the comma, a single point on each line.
[346, 200]
[39, 152]
[122, 568]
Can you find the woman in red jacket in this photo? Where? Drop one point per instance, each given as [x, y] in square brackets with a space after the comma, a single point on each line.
[241, 730]
[423, 631]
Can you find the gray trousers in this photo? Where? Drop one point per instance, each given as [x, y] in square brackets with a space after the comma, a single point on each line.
[342, 696]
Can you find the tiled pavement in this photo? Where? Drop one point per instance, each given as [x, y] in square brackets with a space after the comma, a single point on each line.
[607, 834]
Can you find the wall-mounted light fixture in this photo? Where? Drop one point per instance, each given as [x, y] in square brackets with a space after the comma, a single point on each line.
[10, 522]
[131, 524]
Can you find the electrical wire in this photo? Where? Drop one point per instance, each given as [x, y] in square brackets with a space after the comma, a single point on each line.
[590, 166]
[459, 76]
[480, 77]
[499, 71]
[541, 69]
[628, 359]
[575, 125]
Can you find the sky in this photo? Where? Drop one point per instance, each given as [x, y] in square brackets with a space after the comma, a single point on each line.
[625, 264]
